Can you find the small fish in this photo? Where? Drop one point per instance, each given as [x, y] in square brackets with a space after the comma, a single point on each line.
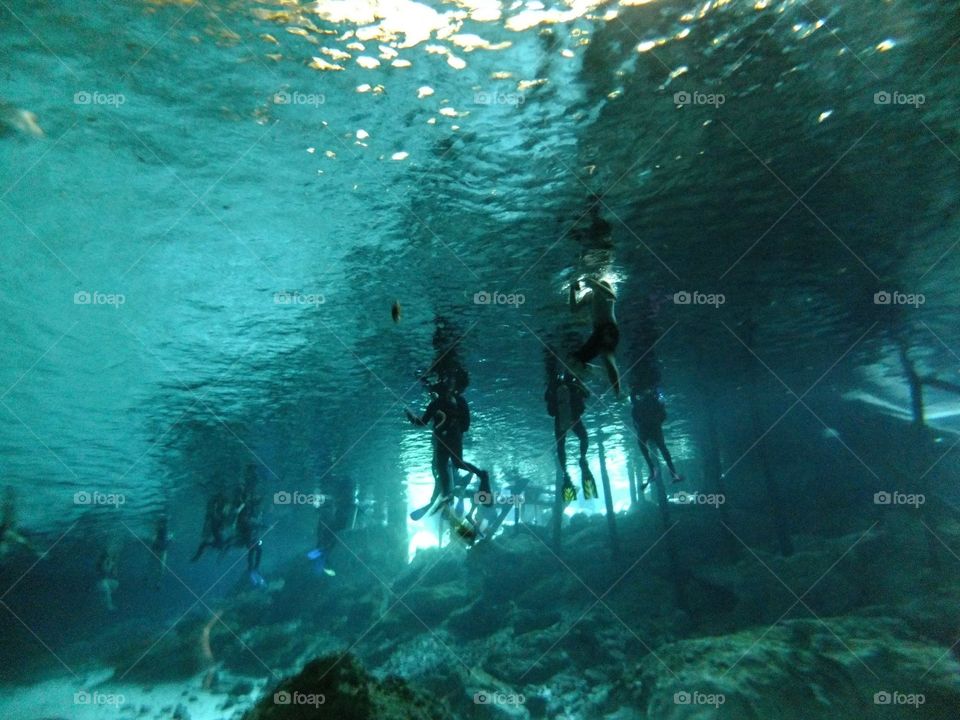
[395, 311]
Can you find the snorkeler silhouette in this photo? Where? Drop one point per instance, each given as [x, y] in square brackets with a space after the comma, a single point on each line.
[108, 573]
[649, 411]
[451, 419]
[606, 335]
[332, 519]
[248, 525]
[566, 402]
[215, 523]
[160, 546]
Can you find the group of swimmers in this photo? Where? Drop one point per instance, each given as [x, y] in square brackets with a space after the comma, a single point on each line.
[565, 397]
[237, 521]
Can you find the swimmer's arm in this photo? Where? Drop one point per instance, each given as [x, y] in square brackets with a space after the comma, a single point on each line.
[576, 305]
[427, 416]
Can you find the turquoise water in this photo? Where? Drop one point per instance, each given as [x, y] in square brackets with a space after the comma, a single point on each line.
[209, 209]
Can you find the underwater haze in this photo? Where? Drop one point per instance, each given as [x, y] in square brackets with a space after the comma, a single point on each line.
[421, 359]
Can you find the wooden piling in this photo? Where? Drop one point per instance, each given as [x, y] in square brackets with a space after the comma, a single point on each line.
[558, 511]
[774, 495]
[608, 498]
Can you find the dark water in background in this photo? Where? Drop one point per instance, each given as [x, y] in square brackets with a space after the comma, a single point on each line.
[203, 195]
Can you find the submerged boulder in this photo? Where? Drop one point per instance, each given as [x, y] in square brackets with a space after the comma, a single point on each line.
[338, 687]
[838, 669]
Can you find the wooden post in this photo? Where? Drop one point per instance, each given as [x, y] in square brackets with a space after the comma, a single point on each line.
[557, 511]
[773, 487]
[919, 447]
[916, 390]
[608, 498]
[517, 506]
[713, 473]
[632, 478]
[675, 574]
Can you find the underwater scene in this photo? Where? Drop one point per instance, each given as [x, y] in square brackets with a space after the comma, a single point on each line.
[480, 359]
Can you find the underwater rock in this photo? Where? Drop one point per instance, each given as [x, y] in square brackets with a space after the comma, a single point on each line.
[282, 645]
[532, 667]
[242, 688]
[178, 655]
[881, 567]
[479, 620]
[430, 567]
[526, 621]
[429, 661]
[340, 688]
[514, 569]
[433, 605]
[841, 669]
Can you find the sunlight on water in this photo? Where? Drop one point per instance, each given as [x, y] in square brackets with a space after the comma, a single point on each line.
[242, 236]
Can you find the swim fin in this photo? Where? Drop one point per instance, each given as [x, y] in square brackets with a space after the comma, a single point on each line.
[431, 509]
[589, 483]
[569, 492]
[319, 558]
[420, 512]
[589, 487]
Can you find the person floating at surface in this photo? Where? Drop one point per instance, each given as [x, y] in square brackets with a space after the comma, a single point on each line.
[248, 526]
[109, 574]
[451, 419]
[10, 538]
[160, 546]
[649, 411]
[605, 336]
[214, 524]
[566, 402]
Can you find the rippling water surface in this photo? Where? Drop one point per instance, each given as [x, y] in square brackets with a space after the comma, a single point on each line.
[260, 181]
